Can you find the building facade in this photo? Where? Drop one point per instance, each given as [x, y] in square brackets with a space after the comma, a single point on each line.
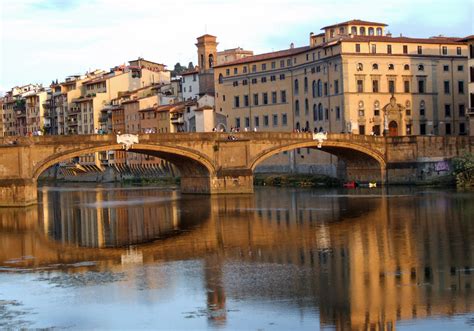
[470, 41]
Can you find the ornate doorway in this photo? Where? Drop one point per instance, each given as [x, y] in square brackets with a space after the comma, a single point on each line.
[393, 129]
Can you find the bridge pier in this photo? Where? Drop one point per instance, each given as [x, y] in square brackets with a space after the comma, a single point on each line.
[18, 192]
[234, 181]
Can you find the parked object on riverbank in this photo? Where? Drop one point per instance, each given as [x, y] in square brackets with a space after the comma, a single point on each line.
[464, 170]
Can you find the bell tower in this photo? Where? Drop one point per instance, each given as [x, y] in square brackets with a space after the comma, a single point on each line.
[207, 52]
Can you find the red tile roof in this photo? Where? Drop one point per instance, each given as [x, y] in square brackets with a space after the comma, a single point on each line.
[468, 38]
[266, 56]
[354, 22]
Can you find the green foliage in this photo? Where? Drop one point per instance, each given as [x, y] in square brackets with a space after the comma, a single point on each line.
[295, 180]
[178, 69]
[464, 170]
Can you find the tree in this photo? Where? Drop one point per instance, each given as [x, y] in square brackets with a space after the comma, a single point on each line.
[178, 69]
[464, 170]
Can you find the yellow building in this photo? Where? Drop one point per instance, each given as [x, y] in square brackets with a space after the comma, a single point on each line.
[470, 41]
[344, 81]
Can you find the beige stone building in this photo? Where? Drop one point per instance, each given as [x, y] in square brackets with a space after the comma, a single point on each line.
[353, 77]
[470, 41]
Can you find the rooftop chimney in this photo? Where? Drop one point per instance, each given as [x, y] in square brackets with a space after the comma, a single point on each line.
[292, 45]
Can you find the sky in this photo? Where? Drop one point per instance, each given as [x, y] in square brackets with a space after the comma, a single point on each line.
[45, 40]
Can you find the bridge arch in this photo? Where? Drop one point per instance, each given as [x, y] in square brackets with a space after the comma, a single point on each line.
[188, 162]
[357, 158]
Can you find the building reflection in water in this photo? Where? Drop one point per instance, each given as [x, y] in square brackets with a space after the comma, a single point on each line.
[364, 262]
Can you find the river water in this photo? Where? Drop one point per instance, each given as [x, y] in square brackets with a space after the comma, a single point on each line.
[111, 257]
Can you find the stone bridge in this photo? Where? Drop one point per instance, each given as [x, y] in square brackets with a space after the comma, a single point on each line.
[212, 163]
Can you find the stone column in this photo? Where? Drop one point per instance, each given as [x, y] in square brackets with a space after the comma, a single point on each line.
[224, 182]
[18, 192]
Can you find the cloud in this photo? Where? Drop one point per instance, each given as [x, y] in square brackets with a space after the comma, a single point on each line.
[44, 40]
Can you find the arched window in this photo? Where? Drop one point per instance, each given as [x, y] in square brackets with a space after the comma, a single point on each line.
[298, 126]
[379, 31]
[359, 66]
[314, 89]
[320, 88]
[306, 106]
[221, 79]
[320, 112]
[297, 108]
[307, 126]
[362, 31]
[375, 66]
[315, 113]
[341, 30]
[211, 60]
[406, 67]
[421, 67]
[371, 31]
[376, 108]
[391, 66]
[354, 30]
[306, 85]
[297, 86]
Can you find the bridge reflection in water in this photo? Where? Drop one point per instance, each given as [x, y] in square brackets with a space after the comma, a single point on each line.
[365, 262]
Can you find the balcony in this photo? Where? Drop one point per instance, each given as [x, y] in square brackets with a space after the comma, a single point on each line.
[470, 111]
[177, 120]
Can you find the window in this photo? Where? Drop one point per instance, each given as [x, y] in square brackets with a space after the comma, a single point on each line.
[306, 107]
[246, 100]
[331, 33]
[406, 86]
[273, 65]
[446, 87]
[405, 49]
[391, 66]
[306, 84]
[320, 88]
[235, 72]
[389, 49]
[373, 48]
[462, 128]
[297, 108]
[282, 76]
[422, 108]
[371, 31]
[354, 30]
[256, 121]
[357, 48]
[227, 72]
[422, 129]
[448, 128]
[264, 66]
[379, 31]
[445, 68]
[458, 50]
[247, 122]
[265, 98]
[283, 96]
[288, 62]
[284, 120]
[237, 101]
[272, 78]
[245, 82]
[274, 97]
[460, 68]
[314, 89]
[320, 112]
[359, 66]
[360, 86]
[263, 79]
[462, 111]
[375, 66]
[461, 87]
[254, 68]
[361, 108]
[326, 111]
[444, 50]
[315, 113]
[254, 80]
[341, 30]
[237, 122]
[408, 129]
[338, 113]
[421, 67]
[336, 86]
[236, 83]
[419, 50]
[362, 129]
[447, 110]
[421, 86]
[326, 89]
[275, 120]
[376, 108]
[282, 63]
[244, 69]
[362, 31]
[255, 99]
[296, 86]
[265, 120]
[408, 108]
[221, 79]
